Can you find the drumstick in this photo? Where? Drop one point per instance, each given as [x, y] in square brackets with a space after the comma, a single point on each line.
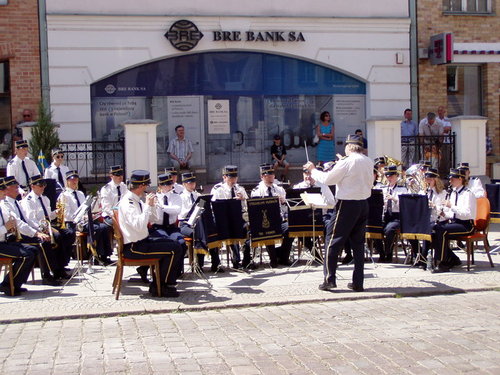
[307, 154]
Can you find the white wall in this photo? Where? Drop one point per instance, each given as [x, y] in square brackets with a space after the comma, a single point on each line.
[273, 8]
[85, 49]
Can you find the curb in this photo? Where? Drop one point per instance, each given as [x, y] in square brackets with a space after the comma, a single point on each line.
[351, 297]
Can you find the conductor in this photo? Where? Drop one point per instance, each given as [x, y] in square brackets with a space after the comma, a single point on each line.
[353, 176]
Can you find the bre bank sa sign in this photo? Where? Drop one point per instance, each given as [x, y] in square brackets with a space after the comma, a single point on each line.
[184, 35]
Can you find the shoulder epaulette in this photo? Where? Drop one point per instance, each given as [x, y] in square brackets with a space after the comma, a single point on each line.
[131, 201]
[30, 197]
[11, 162]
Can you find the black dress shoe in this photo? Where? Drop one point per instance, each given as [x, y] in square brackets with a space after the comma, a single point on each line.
[347, 259]
[50, 280]
[455, 262]
[170, 292]
[217, 269]
[143, 273]
[21, 290]
[327, 287]
[285, 262]
[62, 274]
[273, 264]
[355, 287]
[441, 269]
[6, 289]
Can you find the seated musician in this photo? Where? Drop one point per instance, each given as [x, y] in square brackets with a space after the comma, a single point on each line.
[133, 218]
[436, 193]
[35, 208]
[23, 255]
[188, 198]
[473, 183]
[168, 209]
[111, 193]
[229, 189]
[458, 212]
[267, 188]
[391, 212]
[178, 188]
[57, 170]
[379, 164]
[72, 199]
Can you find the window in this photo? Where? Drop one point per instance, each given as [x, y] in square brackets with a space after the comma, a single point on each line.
[467, 6]
[464, 90]
[4, 99]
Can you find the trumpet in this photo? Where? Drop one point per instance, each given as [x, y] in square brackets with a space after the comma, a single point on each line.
[14, 231]
[46, 228]
[61, 212]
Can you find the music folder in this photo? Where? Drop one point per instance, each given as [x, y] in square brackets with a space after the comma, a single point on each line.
[197, 208]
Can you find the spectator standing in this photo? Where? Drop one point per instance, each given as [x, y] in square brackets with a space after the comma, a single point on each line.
[180, 149]
[278, 153]
[445, 163]
[326, 134]
[409, 130]
[359, 133]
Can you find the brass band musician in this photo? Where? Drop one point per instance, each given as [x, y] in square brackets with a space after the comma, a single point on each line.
[111, 193]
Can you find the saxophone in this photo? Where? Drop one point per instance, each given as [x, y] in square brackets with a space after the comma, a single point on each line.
[61, 212]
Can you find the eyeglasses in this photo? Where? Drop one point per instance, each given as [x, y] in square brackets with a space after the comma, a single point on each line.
[26, 115]
[59, 156]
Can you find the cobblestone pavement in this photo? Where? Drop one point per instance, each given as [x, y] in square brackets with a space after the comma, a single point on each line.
[90, 295]
[445, 334]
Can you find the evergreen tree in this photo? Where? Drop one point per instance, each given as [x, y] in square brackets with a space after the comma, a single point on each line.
[44, 136]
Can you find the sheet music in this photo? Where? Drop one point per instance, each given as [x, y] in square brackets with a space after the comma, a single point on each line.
[315, 200]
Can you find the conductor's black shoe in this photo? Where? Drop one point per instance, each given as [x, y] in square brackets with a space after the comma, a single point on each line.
[327, 286]
[50, 280]
[347, 259]
[355, 287]
[143, 273]
[441, 269]
[6, 289]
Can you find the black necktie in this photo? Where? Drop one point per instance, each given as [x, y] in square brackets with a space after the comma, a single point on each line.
[232, 193]
[192, 198]
[140, 206]
[119, 192]
[269, 191]
[25, 173]
[60, 177]
[76, 197]
[19, 210]
[389, 203]
[166, 219]
[43, 207]
[3, 221]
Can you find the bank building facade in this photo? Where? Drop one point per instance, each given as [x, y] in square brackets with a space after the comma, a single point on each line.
[233, 74]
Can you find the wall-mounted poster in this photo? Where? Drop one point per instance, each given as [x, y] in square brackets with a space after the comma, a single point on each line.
[218, 117]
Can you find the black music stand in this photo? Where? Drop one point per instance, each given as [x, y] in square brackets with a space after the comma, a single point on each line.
[193, 219]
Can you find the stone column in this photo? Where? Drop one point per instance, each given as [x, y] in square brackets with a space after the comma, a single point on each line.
[384, 137]
[470, 142]
[140, 147]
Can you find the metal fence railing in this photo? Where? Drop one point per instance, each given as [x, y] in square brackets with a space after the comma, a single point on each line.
[439, 150]
[92, 160]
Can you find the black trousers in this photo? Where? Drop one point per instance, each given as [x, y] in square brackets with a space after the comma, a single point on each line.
[281, 254]
[167, 251]
[23, 256]
[51, 261]
[200, 243]
[443, 232]
[348, 224]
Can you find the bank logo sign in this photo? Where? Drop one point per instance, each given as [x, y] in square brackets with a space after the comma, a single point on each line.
[184, 35]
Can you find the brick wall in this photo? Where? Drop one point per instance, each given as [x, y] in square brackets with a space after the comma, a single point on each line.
[466, 29]
[19, 44]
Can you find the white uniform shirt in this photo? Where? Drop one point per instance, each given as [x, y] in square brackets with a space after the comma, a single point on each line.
[353, 176]
[222, 191]
[187, 203]
[15, 168]
[51, 172]
[178, 188]
[133, 217]
[33, 209]
[67, 197]
[109, 197]
[476, 187]
[463, 204]
[9, 205]
[395, 192]
[173, 208]
[262, 190]
[435, 201]
[4, 217]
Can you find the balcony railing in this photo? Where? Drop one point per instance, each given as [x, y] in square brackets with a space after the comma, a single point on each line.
[439, 150]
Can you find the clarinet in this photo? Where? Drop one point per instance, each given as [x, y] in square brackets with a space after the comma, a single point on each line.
[448, 193]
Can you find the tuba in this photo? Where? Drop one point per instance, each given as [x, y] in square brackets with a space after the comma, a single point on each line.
[413, 180]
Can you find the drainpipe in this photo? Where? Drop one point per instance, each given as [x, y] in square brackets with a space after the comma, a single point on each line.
[44, 57]
[412, 4]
